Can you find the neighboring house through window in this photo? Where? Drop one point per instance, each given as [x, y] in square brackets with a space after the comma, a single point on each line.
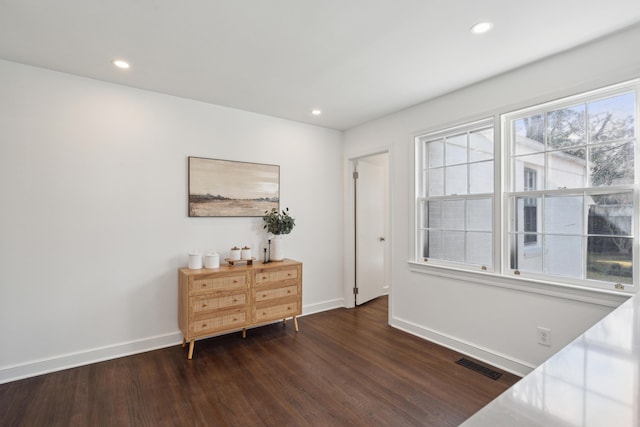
[530, 207]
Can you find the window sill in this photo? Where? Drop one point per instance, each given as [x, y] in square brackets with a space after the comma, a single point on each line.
[603, 297]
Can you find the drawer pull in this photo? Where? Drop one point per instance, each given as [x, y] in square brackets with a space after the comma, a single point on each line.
[235, 281]
[204, 325]
[235, 319]
[264, 277]
[204, 305]
[235, 300]
[288, 291]
[289, 274]
[264, 295]
[204, 285]
[264, 313]
[288, 308]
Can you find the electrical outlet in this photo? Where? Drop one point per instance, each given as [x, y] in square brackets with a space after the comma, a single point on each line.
[544, 336]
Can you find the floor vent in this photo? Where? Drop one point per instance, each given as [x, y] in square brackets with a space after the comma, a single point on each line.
[487, 372]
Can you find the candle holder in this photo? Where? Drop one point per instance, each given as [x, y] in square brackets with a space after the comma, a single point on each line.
[267, 253]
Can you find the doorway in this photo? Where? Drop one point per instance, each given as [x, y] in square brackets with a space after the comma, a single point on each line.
[371, 227]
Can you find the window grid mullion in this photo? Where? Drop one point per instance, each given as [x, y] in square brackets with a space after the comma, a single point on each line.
[585, 234]
[587, 150]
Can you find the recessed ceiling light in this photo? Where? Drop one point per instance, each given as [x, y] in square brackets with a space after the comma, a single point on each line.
[121, 64]
[316, 112]
[481, 27]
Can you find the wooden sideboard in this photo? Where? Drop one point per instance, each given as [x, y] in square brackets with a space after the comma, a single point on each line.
[214, 301]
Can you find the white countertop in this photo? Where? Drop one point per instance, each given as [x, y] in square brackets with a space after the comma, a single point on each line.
[594, 381]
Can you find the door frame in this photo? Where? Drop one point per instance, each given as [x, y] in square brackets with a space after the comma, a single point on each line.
[350, 229]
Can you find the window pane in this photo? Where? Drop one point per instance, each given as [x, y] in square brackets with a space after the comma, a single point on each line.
[530, 179]
[434, 215]
[456, 180]
[481, 177]
[564, 215]
[612, 164]
[610, 259]
[422, 214]
[567, 169]
[526, 215]
[435, 153]
[529, 135]
[431, 244]
[453, 215]
[611, 214]
[479, 248]
[612, 118]
[523, 167]
[456, 149]
[479, 214]
[481, 145]
[453, 242]
[563, 256]
[527, 258]
[566, 127]
[436, 182]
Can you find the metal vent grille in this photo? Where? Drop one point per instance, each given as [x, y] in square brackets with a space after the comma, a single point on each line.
[487, 372]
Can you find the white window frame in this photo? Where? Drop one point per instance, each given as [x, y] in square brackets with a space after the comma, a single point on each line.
[501, 274]
[508, 191]
[421, 191]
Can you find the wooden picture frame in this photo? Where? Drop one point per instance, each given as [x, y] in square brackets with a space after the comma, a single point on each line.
[228, 188]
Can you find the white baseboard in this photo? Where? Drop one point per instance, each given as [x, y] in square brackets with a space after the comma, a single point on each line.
[71, 360]
[509, 364]
[322, 306]
[80, 358]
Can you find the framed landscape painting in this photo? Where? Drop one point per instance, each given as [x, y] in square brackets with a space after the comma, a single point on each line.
[230, 188]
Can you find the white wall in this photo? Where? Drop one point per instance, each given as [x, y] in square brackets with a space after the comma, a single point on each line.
[93, 218]
[463, 311]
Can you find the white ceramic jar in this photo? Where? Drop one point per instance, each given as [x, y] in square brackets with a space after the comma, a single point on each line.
[195, 260]
[246, 253]
[212, 260]
[235, 254]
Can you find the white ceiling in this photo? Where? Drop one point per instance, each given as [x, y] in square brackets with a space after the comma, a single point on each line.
[354, 59]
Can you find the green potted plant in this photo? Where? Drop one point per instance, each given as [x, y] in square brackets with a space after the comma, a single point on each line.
[277, 223]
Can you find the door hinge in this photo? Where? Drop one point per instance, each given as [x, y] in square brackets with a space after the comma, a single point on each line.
[355, 290]
[355, 175]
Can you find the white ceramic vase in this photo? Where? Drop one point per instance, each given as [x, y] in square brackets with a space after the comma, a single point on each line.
[277, 252]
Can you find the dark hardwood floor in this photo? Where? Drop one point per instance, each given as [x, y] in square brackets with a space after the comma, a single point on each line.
[344, 367]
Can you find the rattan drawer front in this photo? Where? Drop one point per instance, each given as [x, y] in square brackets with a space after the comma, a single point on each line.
[276, 293]
[287, 274]
[274, 276]
[215, 283]
[277, 312]
[218, 323]
[265, 277]
[203, 304]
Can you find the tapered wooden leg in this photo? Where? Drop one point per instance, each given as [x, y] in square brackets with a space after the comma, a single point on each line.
[244, 332]
[191, 349]
[295, 323]
[284, 322]
[184, 342]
